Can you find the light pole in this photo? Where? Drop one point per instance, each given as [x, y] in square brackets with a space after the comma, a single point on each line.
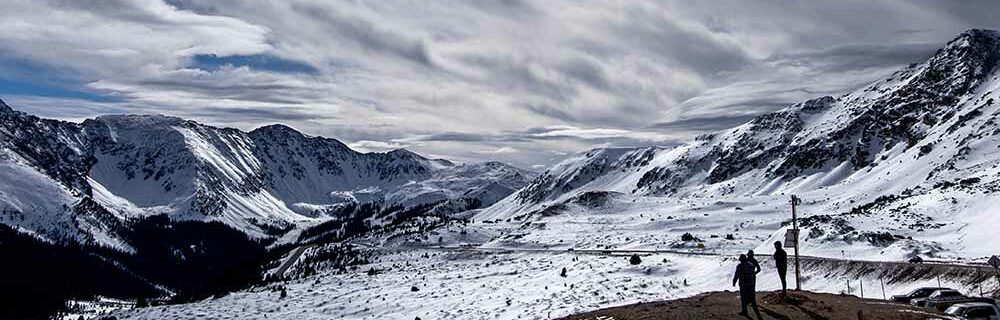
[795, 231]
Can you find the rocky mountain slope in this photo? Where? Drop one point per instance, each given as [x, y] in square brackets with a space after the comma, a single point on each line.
[914, 155]
[85, 182]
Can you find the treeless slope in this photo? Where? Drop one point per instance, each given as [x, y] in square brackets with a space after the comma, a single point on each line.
[726, 305]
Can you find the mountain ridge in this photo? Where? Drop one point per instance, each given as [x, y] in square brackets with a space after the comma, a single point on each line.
[263, 181]
[913, 155]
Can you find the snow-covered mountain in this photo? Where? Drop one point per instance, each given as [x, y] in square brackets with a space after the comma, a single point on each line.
[914, 152]
[84, 182]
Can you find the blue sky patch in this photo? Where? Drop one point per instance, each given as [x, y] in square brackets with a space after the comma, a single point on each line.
[14, 87]
[27, 78]
[261, 62]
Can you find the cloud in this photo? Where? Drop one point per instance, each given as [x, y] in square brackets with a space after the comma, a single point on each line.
[463, 137]
[855, 56]
[457, 78]
[263, 62]
[600, 134]
[707, 124]
[500, 150]
[374, 146]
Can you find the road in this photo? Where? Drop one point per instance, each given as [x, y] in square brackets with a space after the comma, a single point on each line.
[296, 253]
[969, 266]
[890, 271]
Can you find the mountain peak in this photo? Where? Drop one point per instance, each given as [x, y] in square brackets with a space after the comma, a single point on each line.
[973, 53]
[954, 70]
[4, 107]
[140, 120]
[278, 129]
[974, 36]
[403, 152]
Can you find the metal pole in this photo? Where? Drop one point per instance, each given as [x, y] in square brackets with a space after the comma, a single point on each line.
[881, 283]
[939, 281]
[862, 282]
[795, 226]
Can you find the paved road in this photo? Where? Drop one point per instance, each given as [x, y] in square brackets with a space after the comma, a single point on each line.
[296, 253]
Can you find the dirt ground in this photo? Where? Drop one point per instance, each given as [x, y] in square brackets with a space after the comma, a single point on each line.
[726, 305]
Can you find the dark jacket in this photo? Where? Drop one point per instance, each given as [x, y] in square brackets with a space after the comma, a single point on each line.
[756, 265]
[781, 259]
[745, 275]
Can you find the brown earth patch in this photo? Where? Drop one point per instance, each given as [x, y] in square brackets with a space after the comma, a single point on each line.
[798, 305]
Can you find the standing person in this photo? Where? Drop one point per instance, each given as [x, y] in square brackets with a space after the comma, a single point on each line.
[754, 262]
[748, 283]
[781, 262]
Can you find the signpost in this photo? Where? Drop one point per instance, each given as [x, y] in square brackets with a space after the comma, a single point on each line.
[791, 237]
[795, 240]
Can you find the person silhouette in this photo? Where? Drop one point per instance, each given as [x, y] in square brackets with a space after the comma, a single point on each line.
[753, 261]
[781, 263]
[747, 279]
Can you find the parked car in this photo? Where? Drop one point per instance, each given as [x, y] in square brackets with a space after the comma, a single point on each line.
[974, 310]
[937, 295]
[916, 259]
[946, 302]
[916, 293]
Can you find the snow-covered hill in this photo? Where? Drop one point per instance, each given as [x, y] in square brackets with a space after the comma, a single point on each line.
[909, 162]
[85, 182]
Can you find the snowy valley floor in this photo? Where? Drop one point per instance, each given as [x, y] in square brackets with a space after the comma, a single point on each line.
[459, 284]
[511, 269]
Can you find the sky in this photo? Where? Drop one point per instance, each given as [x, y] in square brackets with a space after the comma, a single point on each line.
[520, 81]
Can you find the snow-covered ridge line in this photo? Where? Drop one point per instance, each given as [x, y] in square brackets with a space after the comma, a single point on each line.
[263, 182]
[908, 161]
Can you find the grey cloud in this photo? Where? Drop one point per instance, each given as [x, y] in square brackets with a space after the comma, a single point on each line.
[470, 137]
[466, 78]
[284, 114]
[586, 71]
[258, 92]
[516, 74]
[857, 56]
[507, 8]
[706, 124]
[367, 33]
[703, 52]
[550, 112]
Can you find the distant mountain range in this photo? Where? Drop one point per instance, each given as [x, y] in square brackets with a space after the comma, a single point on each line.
[79, 182]
[150, 205]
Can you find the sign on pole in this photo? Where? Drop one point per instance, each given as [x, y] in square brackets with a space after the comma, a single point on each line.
[791, 238]
[796, 200]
